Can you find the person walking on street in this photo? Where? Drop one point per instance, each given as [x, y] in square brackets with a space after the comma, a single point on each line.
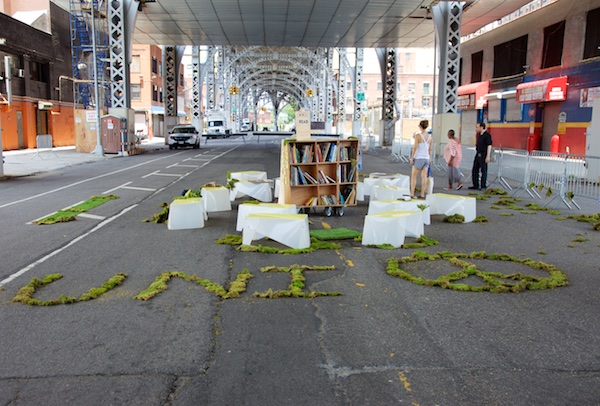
[483, 147]
[420, 158]
[453, 157]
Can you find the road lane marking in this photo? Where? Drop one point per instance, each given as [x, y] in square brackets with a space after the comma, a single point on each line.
[91, 216]
[178, 165]
[59, 250]
[85, 180]
[159, 173]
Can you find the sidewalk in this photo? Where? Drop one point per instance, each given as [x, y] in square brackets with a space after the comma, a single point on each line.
[28, 162]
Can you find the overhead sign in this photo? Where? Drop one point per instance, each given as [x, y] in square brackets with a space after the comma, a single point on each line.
[360, 96]
[547, 90]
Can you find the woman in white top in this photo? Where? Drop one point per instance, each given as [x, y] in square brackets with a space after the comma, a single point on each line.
[420, 158]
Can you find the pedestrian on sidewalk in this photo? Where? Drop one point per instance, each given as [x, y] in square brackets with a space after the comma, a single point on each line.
[420, 158]
[483, 147]
[453, 157]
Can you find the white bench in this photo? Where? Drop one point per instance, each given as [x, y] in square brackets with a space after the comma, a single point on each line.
[448, 205]
[248, 175]
[186, 213]
[216, 198]
[395, 179]
[391, 227]
[287, 229]
[246, 209]
[378, 206]
[260, 190]
[386, 192]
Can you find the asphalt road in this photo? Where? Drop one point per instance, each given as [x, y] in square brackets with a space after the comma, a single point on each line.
[383, 341]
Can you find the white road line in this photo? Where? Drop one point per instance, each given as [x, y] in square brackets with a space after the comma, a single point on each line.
[59, 250]
[86, 180]
[91, 216]
[181, 166]
[144, 189]
[164, 174]
[118, 187]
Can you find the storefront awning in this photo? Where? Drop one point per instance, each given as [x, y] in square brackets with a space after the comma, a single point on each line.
[554, 89]
[471, 96]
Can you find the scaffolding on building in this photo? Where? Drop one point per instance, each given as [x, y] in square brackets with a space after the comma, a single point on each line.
[83, 42]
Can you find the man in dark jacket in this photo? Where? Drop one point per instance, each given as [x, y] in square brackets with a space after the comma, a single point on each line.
[483, 148]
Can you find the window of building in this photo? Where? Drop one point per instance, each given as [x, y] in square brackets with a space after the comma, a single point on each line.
[136, 91]
[399, 86]
[554, 36]
[160, 95]
[154, 65]
[513, 110]
[38, 71]
[181, 82]
[348, 86]
[426, 87]
[379, 86]
[592, 35]
[155, 93]
[365, 85]
[510, 57]
[135, 64]
[412, 86]
[494, 110]
[476, 66]
[426, 102]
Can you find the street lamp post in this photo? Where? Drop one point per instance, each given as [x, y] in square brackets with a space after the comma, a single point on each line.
[99, 150]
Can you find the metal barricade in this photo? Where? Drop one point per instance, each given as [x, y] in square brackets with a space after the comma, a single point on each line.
[437, 156]
[401, 150]
[513, 168]
[582, 179]
[43, 142]
[466, 165]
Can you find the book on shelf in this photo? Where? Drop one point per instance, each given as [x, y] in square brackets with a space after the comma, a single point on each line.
[307, 155]
[312, 201]
[309, 178]
[332, 154]
[323, 178]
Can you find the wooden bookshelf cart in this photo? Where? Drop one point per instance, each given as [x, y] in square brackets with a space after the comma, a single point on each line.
[319, 172]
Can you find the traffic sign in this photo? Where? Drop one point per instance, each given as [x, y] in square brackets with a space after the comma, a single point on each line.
[360, 96]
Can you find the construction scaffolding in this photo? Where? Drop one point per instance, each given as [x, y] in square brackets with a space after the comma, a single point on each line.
[89, 37]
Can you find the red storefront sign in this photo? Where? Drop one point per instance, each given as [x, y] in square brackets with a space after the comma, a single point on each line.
[471, 96]
[554, 89]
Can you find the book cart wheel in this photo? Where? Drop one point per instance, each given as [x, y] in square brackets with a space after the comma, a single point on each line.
[328, 211]
[340, 211]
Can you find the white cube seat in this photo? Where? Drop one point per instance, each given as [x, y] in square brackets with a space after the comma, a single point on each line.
[395, 179]
[360, 191]
[287, 229]
[447, 204]
[387, 192]
[186, 214]
[259, 190]
[391, 227]
[378, 206]
[246, 209]
[248, 175]
[216, 198]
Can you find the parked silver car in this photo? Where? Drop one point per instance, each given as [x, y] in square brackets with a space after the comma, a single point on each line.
[184, 136]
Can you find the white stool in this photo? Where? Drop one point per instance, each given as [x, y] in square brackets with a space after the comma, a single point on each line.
[390, 227]
[186, 214]
[395, 179]
[386, 192]
[248, 175]
[260, 190]
[216, 199]
[277, 187]
[378, 206]
[360, 191]
[443, 203]
[246, 209]
[287, 229]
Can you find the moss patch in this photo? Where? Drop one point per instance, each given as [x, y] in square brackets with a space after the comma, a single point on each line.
[334, 234]
[69, 214]
[495, 282]
[160, 217]
[160, 284]
[455, 218]
[25, 294]
[296, 286]
[315, 244]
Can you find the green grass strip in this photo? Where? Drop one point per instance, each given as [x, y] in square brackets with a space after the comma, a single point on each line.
[25, 294]
[69, 214]
[495, 282]
[160, 284]
[334, 234]
[296, 286]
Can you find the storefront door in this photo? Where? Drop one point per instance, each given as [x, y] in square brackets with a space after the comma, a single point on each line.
[549, 124]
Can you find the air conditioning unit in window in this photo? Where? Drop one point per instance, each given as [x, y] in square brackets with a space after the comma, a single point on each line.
[21, 73]
[44, 105]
